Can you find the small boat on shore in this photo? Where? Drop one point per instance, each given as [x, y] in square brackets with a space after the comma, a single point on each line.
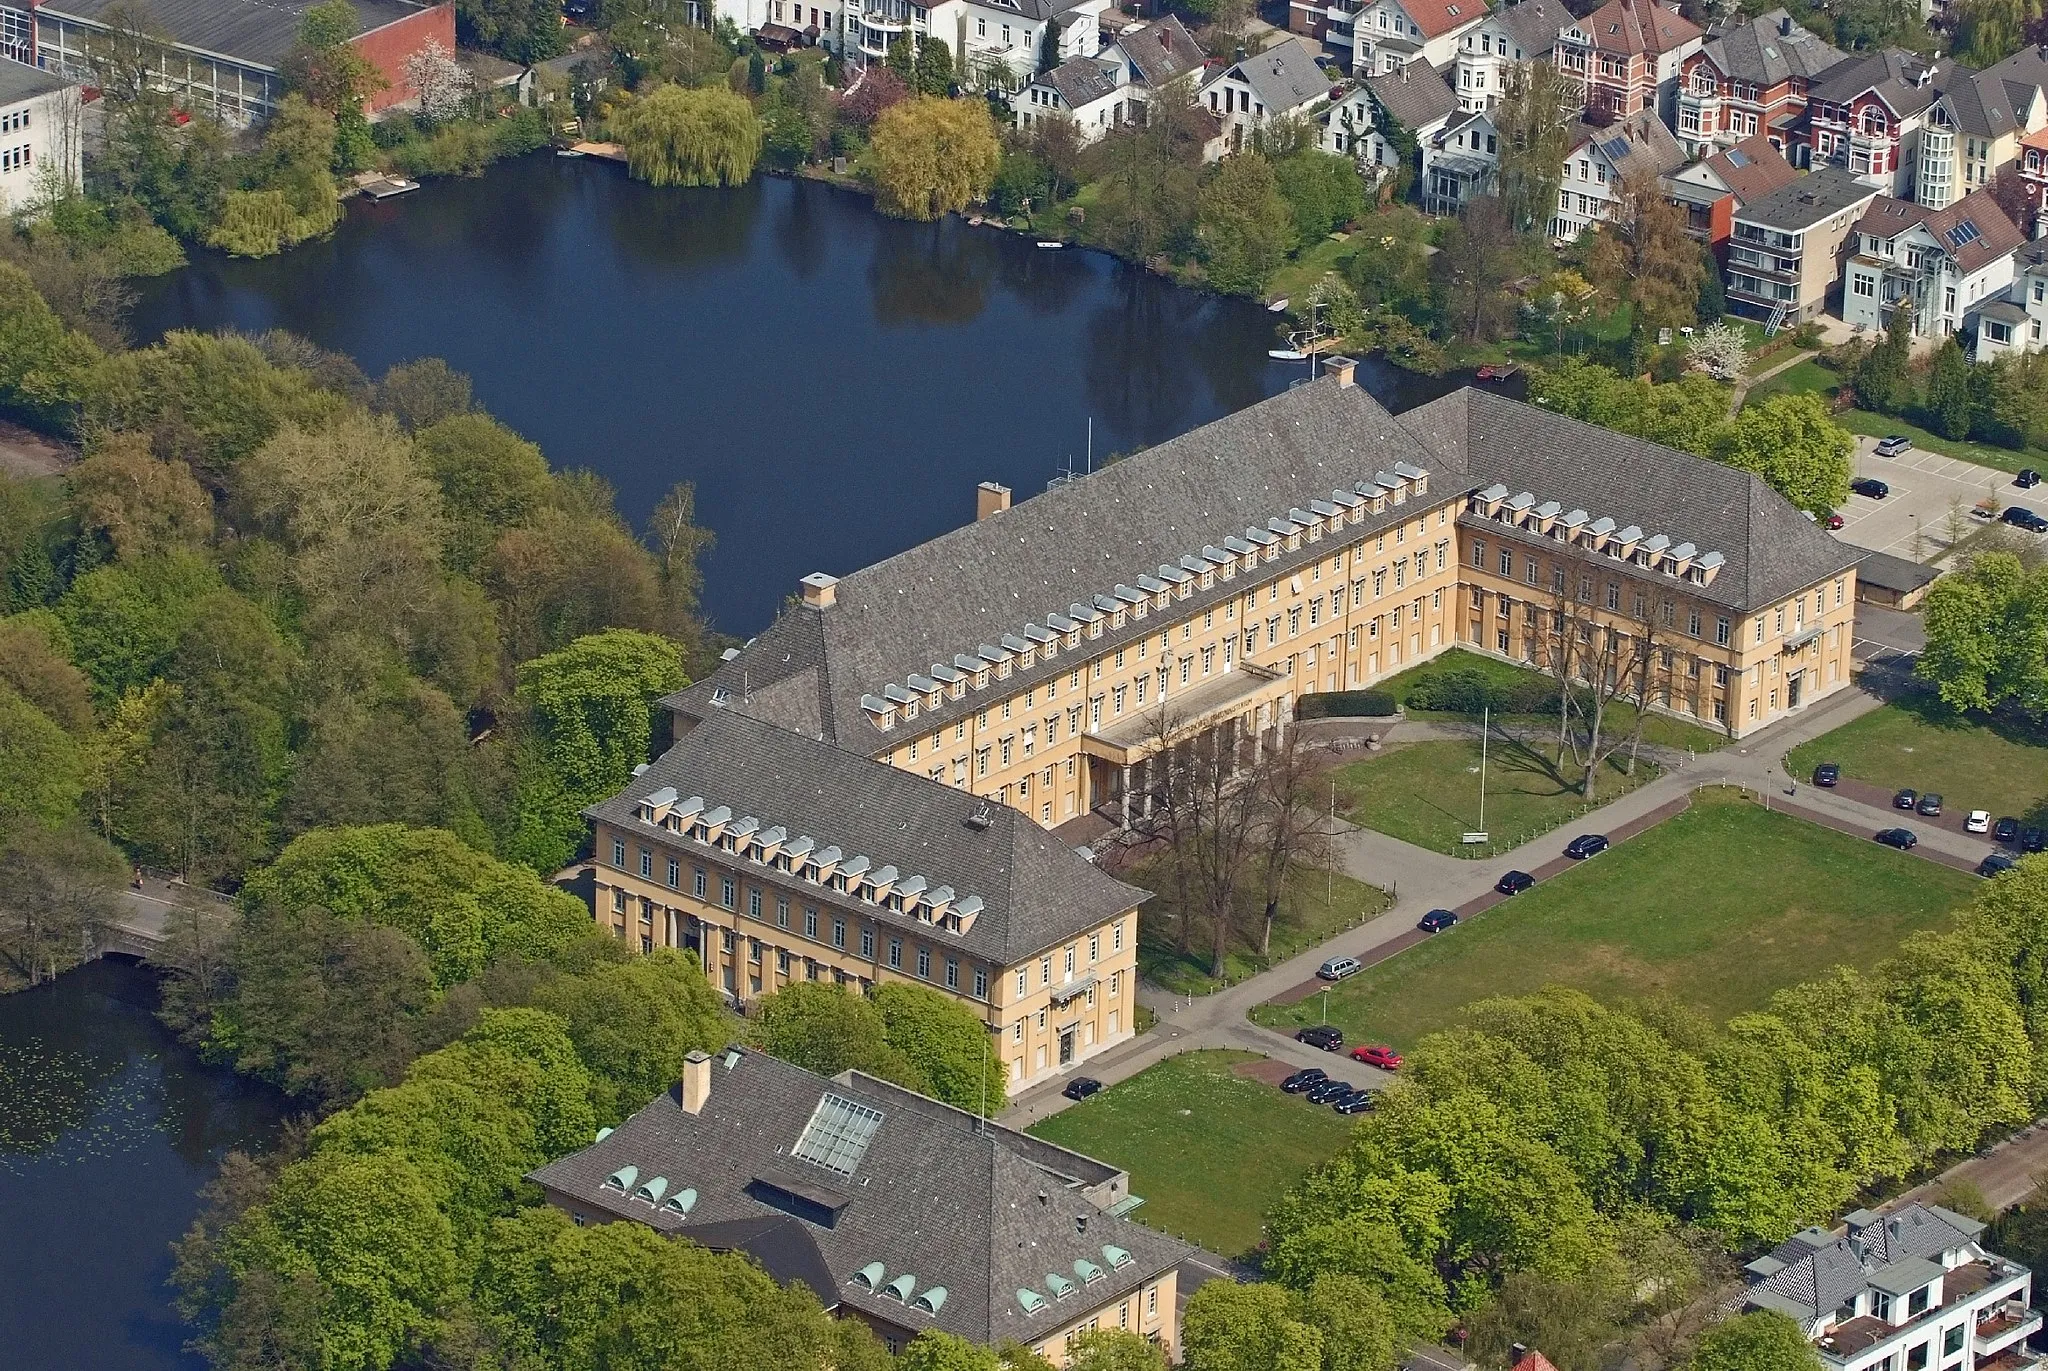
[1286, 354]
[1050, 243]
[568, 152]
[1277, 306]
[1497, 372]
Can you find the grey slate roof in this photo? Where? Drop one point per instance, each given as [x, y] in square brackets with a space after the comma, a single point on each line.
[1533, 24]
[986, 580]
[1031, 9]
[1082, 80]
[1035, 890]
[1283, 77]
[19, 81]
[1161, 50]
[1769, 49]
[257, 32]
[1649, 148]
[1818, 195]
[1771, 548]
[1823, 1270]
[971, 1207]
[1416, 96]
[1897, 76]
[1994, 102]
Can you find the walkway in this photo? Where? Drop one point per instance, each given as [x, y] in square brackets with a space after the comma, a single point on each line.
[1749, 383]
[2004, 1175]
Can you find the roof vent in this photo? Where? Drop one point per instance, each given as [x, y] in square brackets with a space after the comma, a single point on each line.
[869, 1277]
[682, 1202]
[652, 1190]
[981, 816]
[1060, 1286]
[602, 1134]
[1087, 1270]
[932, 1300]
[1117, 1258]
[1031, 1300]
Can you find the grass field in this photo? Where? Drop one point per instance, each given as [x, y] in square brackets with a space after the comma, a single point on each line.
[1661, 729]
[1970, 763]
[1428, 793]
[1717, 907]
[1314, 907]
[1210, 1151]
[1811, 376]
[1808, 376]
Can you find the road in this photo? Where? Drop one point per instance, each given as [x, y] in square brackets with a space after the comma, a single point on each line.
[2004, 1175]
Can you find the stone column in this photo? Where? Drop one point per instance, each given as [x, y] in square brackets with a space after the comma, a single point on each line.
[1124, 774]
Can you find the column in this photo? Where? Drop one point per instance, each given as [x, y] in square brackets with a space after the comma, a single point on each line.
[1124, 775]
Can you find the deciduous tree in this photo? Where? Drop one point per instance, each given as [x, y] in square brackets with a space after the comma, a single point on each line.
[679, 137]
[933, 157]
[1794, 443]
[1763, 1340]
[1987, 635]
[1535, 118]
[1647, 258]
[57, 891]
[1244, 225]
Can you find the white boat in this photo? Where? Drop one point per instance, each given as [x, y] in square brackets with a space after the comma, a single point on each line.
[567, 152]
[1050, 243]
[1285, 354]
[1278, 306]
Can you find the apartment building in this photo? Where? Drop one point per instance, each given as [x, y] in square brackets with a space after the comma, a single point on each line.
[1711, 192]
[1603, 161]
[1627, 55]
[1785, 253]
[1866, 114]
[890, 1207]
[1910, 1290]
[1099, 93]
[2019, 321]
[39, 131]
[993, 42]
[1974, 127]
[1750, 79]
[1947, 262]
[1386, 35]
[1489, 51]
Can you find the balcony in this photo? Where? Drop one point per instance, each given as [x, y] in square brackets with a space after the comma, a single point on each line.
[2012, 1323]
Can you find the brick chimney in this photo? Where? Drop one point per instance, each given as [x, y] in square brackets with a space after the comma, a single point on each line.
[696, 1081]
[820, 590]
[990, 498]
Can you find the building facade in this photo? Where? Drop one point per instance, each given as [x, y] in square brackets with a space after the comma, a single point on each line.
[1712, 191]
[1946, 262]
[1975, 126]
[2019, 322]
[1283, 81]
[892, 1208]
[1627, 55]
[1865, 115]
[1749, 80]
[1490, 50]
[1100, 93]
[1601, 165]
[40, 132]
[1785, 253]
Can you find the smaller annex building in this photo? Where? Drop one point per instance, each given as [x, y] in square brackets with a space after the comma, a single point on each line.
[893, 1208]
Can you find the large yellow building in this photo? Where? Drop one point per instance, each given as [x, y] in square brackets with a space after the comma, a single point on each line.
[928, 721]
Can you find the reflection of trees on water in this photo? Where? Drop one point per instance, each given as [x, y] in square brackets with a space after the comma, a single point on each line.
[803, 238]
[698, 227]
[930, 274]
[1140, 378]
[1045, 283]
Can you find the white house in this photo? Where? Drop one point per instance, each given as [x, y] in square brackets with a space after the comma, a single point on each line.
[1911, 1289]
[1098, 93]
[1283, 81]
[2017, 322]
[1488, 50]
[1601, 160]
[1385, 35]
[1460, 163]
[39, 129]
[1948, 262]
[992, 41]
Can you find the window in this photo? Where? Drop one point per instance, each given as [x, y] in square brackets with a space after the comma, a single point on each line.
[1723, 630]
[618, 854]
[896, 952]
[1864, 287]
[810, 922]
[980, 984]
[646, 863]
[1478, 557]
[675, 874]
[1952, 1341]
[924, 963]
[839, 933]
[1916, 1303]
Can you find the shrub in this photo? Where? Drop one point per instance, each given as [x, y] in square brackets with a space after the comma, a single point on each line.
[1468, 690]
[1348, 704]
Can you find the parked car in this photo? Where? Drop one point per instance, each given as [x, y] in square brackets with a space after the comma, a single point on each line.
[2033, 840]
[1514, 883]
[1324, 1035]
[1357, 1102]
[1996, 864]
[1328, 1090]
[2027, 478]
[1337, 968]
[2019, 516]
[1437, 920]
[1586, 845]
[1827, 774]
[2006, 831]
[1894, 445]
[1905, 799]
[1870, 489]
[1904, 839]
[1081, 1087]
[1304, 1079]
[1978, 821]
[1385, 1058]
[1930, 805]
[1832, 522]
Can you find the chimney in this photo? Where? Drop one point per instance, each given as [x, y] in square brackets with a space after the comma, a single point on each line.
[696, 1081]
[990, 498]
[1785, 26]
[1517, 1352]
[820, 590]
[1343, 368]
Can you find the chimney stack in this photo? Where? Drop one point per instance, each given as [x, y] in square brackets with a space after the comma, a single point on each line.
[989, 499]
[696, 1081]
[1517, 1352]
[820, 590]
[1343, 368]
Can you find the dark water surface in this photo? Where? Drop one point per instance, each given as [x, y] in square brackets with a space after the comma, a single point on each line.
[836, 383]
[108, 1129]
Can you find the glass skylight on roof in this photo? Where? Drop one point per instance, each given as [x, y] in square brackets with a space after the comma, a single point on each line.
[838, 1134]
[1737, 157]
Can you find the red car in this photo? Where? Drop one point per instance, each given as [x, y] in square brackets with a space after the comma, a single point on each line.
[1385, 1058]
[1833, 521]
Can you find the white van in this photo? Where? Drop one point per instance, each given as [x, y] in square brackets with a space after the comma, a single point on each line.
[1337, 968]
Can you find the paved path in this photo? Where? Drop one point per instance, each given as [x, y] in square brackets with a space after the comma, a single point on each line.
[1749, 383]
[2005, 1174]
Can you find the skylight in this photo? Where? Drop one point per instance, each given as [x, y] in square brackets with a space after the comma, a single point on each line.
[1963, 233]
[838, 1134]
[1737, 157]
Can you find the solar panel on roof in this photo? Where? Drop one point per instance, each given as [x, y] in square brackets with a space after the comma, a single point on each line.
[1614, 149]
[1963, 233]
[838, 1134]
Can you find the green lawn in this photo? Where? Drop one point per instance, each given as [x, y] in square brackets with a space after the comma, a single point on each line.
[1969, 762]
[1718, 907]
[1211, 1151]
[1315, 906]
[1808, 377]
[1661, 729]
[1428, 793]
[1983, 454]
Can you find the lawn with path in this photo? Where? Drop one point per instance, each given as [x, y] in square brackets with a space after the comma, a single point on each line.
[1211, 1151]
[1315, 906]
[1660, 729]
[1719, 907]
[1970, 762]
[1428, 793]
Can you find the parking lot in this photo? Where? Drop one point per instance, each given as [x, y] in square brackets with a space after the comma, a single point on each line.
[1914, 520]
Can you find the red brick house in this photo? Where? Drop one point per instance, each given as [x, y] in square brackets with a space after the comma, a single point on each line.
[1750, 78]
[1627, 54]
[1863, 114]
[1711, 192]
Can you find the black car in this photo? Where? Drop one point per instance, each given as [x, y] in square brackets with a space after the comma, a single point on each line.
[1904, 839]
[1081, 1087]
[1996, 864]
[1327, 1091]
[1930, 805]
[1514, 883]
[1586, 845]
[2027, 478]
[1357, 1102]
[2019, 516]
[1905, 799]
[1304, 1079]
[1826, 774]
[1865, 486]
[1326, 1036]
[2006, 831]
[2033, 840]
[1437, 920]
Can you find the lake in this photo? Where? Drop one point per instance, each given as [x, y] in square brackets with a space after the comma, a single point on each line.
[836, 383]
[108, 1130]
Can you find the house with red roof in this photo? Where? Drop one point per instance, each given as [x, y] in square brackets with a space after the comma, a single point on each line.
[1627, 55]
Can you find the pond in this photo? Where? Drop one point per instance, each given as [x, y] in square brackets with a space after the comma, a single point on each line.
[834, 382]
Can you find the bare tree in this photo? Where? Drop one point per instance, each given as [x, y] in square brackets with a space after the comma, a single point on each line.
[57, 891]
[1602, 654]
[1291, 834]
[1198, 798]
[199, 936]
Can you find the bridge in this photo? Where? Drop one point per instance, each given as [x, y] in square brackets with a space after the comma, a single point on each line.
[137, 928]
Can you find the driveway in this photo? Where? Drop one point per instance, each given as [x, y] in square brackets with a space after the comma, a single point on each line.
[1913, 520]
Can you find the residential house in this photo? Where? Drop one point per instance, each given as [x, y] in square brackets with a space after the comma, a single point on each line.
[1101, 92]
[1460, 162]
[1414, 99]
[226, 57]
[1627, 55]
[40, 117]
[1750, 79]
[1378, 36]
[2019, 321]
[2032, 169]
[1866, 114]
[1638, 148]
[1490, 49]
[1945, 261]
[891, 1208]
[1711, 192]
[1785, 254]
[1281, 82]
[1975, 125]
[993, 42]
[1912, 1288]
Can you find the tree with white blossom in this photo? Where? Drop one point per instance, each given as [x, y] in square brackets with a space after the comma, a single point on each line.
[441, 82]
[1721, 351]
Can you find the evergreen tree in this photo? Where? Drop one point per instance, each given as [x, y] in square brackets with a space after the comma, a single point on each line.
[934, 68]
[1948, 392]
[1713, 300]
[1881, 379]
